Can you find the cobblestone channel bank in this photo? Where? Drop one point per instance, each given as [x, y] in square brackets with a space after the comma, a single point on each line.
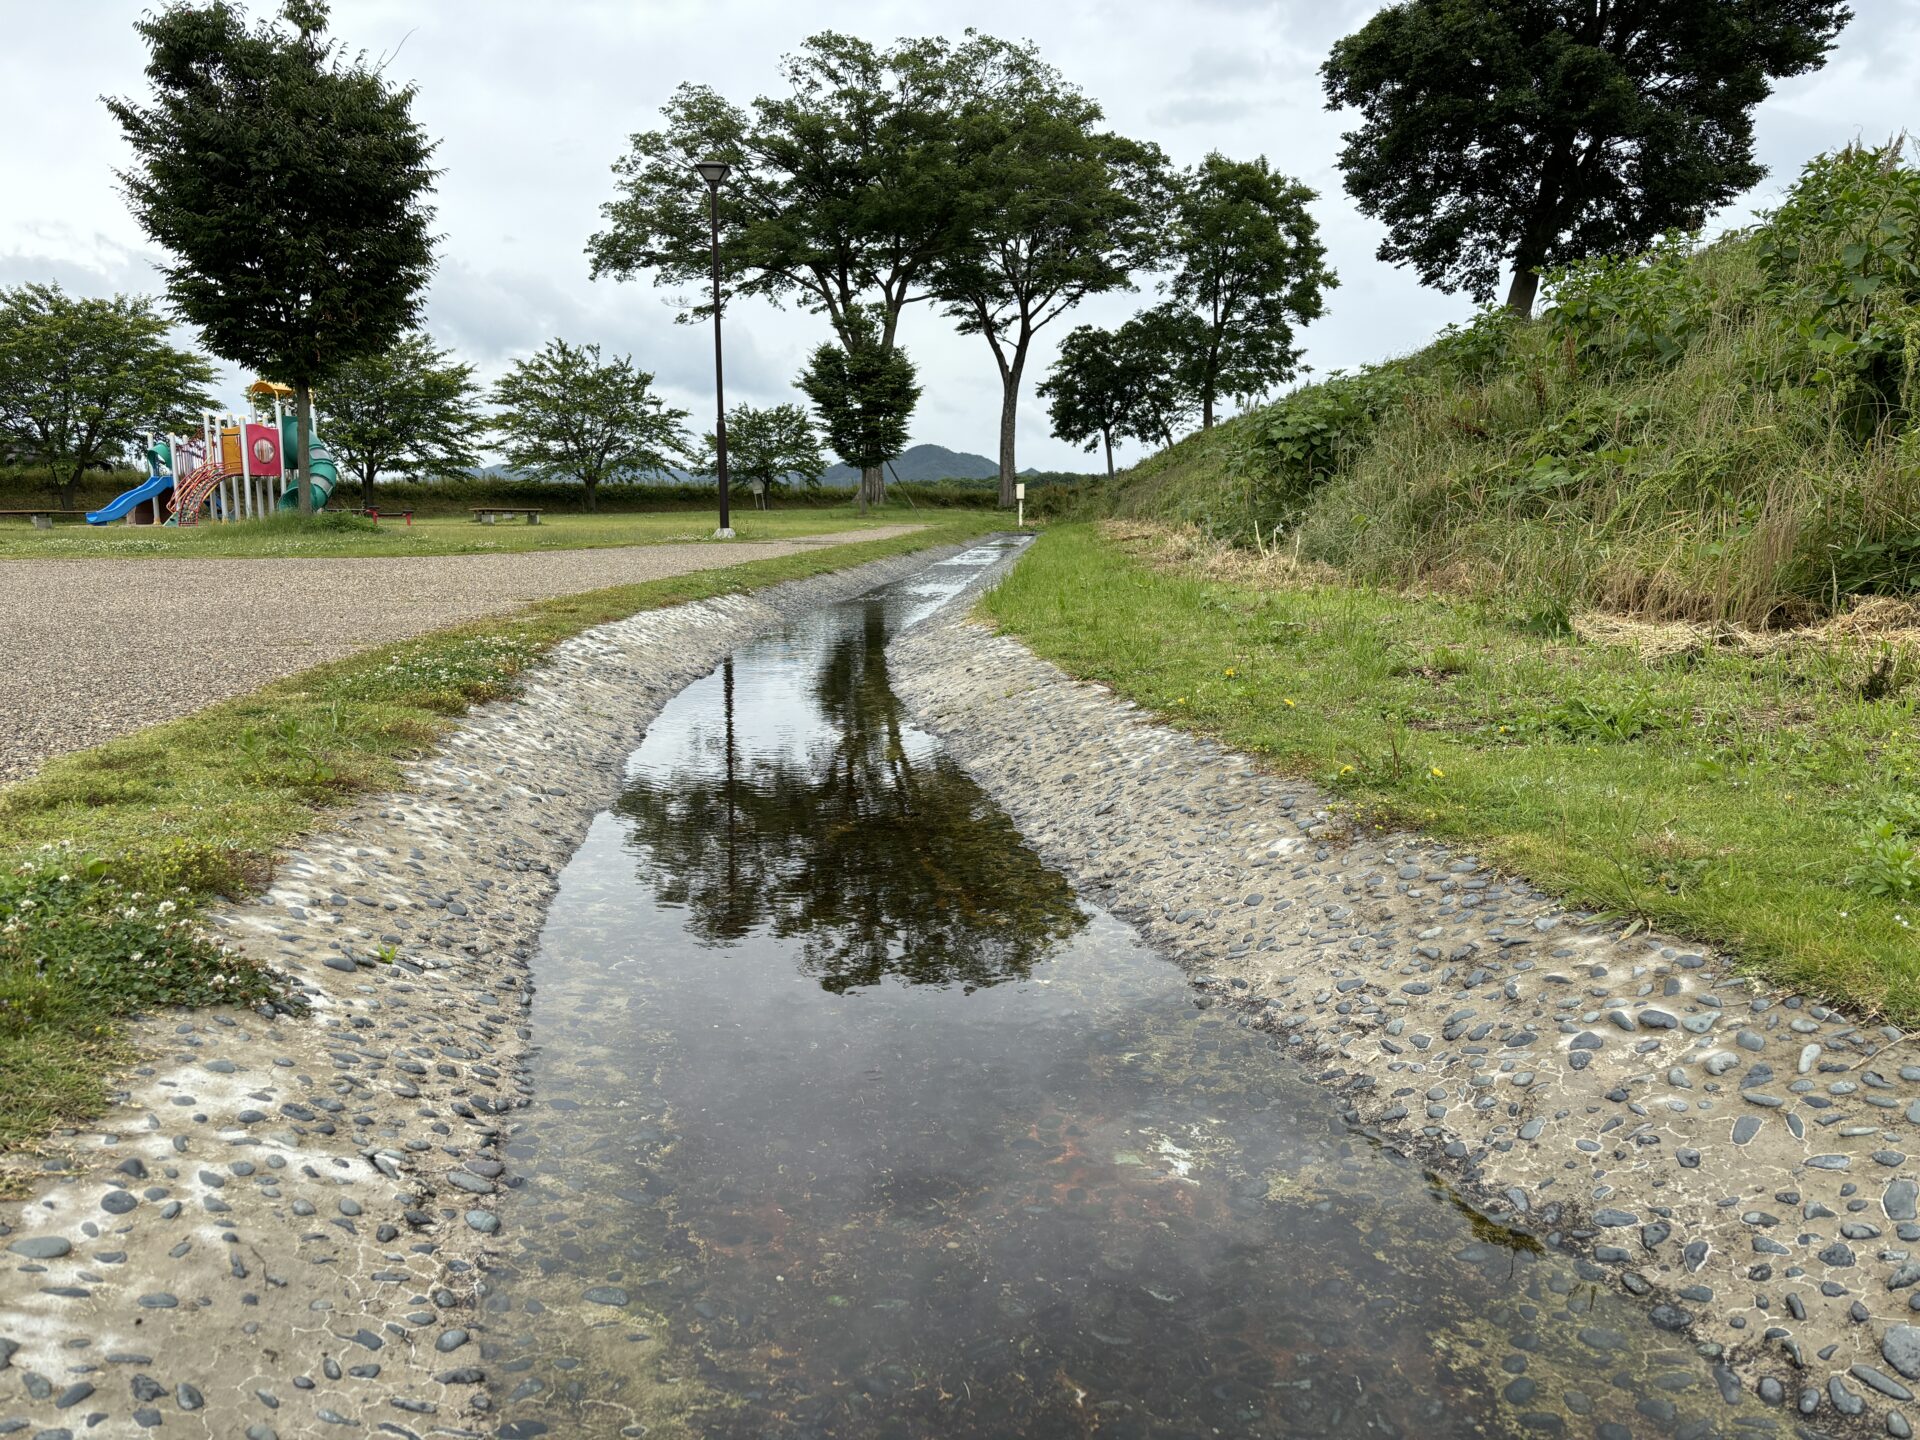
[1737, 1156]
[282, 1228]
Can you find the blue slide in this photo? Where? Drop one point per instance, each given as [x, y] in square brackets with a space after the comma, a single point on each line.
[157, 483]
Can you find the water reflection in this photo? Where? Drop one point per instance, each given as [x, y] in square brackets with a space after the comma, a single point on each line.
[850, 1124]
[869, 848]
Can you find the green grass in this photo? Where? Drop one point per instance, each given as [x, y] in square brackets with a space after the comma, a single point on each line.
[1727, 798]
[349, 535]
[95, 843]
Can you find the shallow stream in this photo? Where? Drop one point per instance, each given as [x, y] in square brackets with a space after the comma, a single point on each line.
[852, 1120]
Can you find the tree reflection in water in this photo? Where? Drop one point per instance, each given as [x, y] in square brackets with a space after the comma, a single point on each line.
[877, 864]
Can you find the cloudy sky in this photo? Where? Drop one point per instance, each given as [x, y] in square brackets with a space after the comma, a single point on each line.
[533, 102]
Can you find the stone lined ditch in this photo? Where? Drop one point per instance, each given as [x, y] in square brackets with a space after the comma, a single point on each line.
[849, 1118]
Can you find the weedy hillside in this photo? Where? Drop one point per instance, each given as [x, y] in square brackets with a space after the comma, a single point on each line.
[1713, 431]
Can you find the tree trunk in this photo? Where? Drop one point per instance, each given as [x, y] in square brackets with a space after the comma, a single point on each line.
[1206, 408]
[589, 486]
[1106, 437]
[873, 487]
[366, 487]
[303, 442]
[1520, 295]
[69, 490]
[1009, 406]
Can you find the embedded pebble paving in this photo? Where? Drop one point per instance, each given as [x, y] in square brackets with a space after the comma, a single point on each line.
[1739, 1157]
[284, 1225]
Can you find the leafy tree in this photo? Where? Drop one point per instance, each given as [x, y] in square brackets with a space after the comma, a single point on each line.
[1110, 385]
[865, 395]
[1532, 133]
[1057, 210]
[767, 447]
[563, 414]
[1157, 348]
[288, 181]
[410, 408]
[82, 380]
[1249, 266]
[844, 190]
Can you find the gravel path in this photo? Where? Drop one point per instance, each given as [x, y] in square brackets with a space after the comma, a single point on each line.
[1742, 1159]
[90, 643]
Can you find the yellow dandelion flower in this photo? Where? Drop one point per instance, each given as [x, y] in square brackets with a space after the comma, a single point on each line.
[1346, 769]
[1436, 772]
[1289, 704]
[1230, 672]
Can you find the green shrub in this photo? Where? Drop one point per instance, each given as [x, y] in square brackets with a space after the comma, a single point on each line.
[1632, 310]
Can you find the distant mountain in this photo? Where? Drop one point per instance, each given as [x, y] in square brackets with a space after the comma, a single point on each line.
[926, 462]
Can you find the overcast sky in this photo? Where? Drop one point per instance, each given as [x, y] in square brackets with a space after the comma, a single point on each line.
[533, 103]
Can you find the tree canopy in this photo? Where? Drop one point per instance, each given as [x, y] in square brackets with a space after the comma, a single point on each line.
[767, 447]
[841, 194]
[865, 397]
[81, 381]
[844, 189]
[565, 414]
[410, 408]
[1110, 385]
[1055, 208]
[1521, 134]
[288, 181]
[1248, 268]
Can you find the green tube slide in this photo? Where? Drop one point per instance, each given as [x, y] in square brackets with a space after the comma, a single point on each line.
[325, 474]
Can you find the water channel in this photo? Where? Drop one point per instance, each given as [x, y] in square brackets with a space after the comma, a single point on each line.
[852, 1120]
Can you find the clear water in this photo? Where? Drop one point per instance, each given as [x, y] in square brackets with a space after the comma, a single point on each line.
[852, 1120]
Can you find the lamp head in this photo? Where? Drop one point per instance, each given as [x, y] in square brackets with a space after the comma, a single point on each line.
[712, 171]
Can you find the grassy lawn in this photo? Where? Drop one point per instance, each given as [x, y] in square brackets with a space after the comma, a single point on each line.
[1758, 801]
[346, 535]
[106, 854]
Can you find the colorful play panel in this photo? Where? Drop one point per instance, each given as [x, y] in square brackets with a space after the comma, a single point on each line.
[240, 467]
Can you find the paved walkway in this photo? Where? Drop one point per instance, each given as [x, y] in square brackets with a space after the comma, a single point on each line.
[90, 645]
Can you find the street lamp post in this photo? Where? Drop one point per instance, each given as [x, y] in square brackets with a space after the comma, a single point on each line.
[713, 172]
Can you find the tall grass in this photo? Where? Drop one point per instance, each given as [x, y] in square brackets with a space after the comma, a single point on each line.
[1721, 432]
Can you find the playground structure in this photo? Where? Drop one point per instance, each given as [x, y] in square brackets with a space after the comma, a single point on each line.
[241, 467]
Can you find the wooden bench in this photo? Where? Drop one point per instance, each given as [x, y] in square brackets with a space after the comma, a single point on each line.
[374, 513]
[487, 514]
[40, 519]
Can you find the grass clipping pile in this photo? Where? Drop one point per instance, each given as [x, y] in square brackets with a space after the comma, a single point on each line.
[1881, 625]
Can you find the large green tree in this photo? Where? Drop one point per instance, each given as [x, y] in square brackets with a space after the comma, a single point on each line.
[1056, 209]
[564, 414]
[865, 394]
[81, 381]
[412, 408]
[1124, 384]
[844, 190]
[1248, 268]
[288, 180]
[767, 447]
[1520, 134]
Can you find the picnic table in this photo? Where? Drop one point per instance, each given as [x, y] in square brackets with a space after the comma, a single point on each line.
[487, 514]
[373, 512]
